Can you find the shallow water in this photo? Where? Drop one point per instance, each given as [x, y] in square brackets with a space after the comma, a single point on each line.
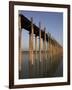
[41, 67]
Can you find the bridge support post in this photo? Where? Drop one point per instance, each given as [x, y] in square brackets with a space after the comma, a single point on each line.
[36, 47]
[44, 50]
[31, 42]
[48, 45]
[47, 48]
[30, 55]
[20, 33]
[45, 41]
[50, 50]
[31, 48]
[40, 40]
[32, 32]
[53, 49]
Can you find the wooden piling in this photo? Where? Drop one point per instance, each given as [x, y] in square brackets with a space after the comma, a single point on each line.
[20, 35]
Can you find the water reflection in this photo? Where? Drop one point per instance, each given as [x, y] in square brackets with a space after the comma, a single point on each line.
[49, 65]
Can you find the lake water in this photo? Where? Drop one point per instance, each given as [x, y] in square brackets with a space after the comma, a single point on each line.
[41, 67]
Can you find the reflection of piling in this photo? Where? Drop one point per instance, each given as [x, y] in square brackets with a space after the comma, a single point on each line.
[35, 55]
[20, 52]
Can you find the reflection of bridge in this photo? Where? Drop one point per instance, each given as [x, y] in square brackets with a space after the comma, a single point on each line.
[50, 45]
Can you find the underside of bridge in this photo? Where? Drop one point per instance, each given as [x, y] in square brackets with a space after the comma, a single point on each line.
[26, 24]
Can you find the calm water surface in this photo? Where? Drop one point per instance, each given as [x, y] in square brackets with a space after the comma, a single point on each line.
[44, 66]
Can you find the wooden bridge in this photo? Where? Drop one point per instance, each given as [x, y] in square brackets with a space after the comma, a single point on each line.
[50, 45]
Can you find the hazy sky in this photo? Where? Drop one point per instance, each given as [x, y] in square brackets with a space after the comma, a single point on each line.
[53, 21]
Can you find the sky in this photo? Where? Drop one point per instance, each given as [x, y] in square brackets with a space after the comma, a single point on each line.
[53, 21]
